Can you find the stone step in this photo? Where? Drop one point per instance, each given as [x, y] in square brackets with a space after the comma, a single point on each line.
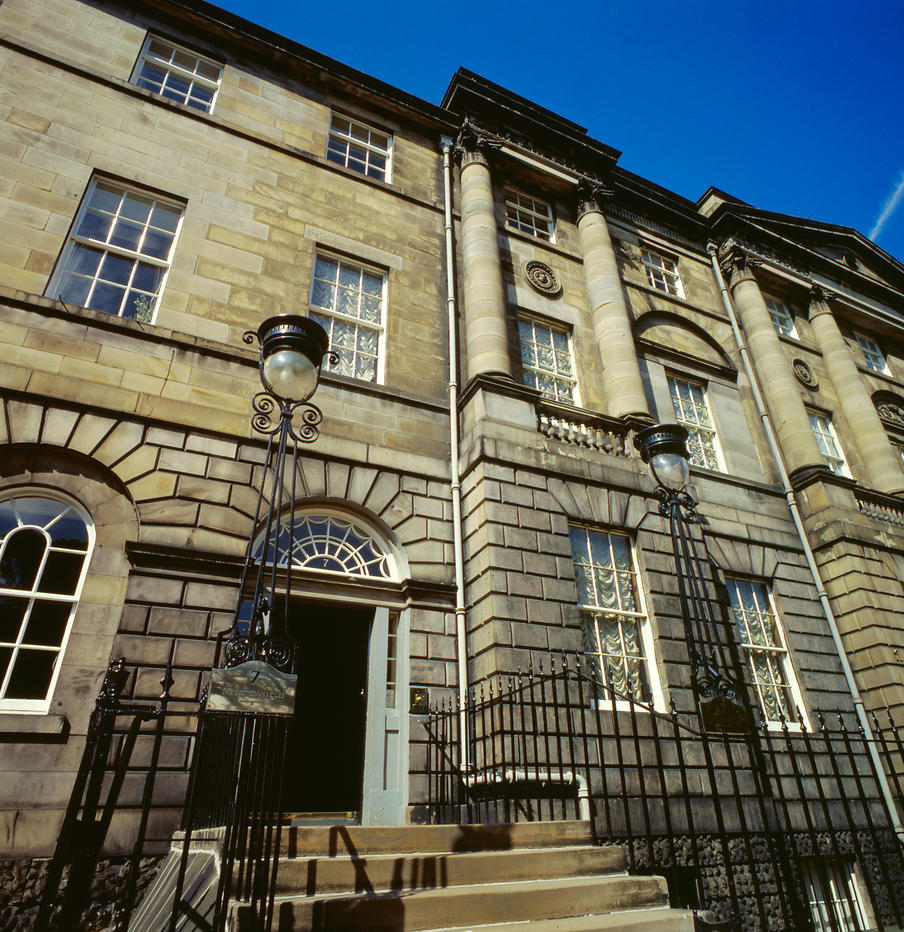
[639, 920]
[418, 871]
[479, 904]
[356, 840]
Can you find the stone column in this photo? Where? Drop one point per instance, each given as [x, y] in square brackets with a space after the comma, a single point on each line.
[777, 381]
[625, 396]
[882, 463]
[486, 327]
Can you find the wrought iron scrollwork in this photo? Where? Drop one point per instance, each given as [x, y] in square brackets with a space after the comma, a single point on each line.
[678, 505]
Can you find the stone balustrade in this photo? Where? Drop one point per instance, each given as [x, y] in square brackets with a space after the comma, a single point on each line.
[592, 433]
[881, 507]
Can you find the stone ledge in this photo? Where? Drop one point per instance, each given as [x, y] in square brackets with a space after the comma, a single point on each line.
[26, 728]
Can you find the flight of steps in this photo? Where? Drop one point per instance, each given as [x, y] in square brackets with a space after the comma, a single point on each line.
[540, 876]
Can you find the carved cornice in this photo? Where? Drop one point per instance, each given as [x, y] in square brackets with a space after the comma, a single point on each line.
[472, 145]
[737, 263]
[590, 193]
[760, 253]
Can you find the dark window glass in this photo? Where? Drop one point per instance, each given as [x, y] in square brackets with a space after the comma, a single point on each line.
[12, 611]
[47, 623]
[21, 559]
[31, 674]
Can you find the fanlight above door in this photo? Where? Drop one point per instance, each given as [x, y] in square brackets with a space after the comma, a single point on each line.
[330, 545]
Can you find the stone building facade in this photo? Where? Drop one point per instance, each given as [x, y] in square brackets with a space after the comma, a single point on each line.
[172, 175]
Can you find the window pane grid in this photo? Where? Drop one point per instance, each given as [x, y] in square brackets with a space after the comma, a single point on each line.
[692, 413]
[872, 355]
[38, 594]
[118, 253]
[781, 317]
[827, 442]
[763, 646]
[178, 74]
[833, 896]
[662, 272]
[612, 623]
[352, 298]
[528, 215]
[359, 147]
[546, 360]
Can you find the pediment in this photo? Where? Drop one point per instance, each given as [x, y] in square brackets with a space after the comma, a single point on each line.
[801, 243]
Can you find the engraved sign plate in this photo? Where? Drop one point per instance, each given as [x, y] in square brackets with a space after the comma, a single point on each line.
[253, 686]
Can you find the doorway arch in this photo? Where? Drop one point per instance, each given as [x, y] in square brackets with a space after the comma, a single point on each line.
[349, 758]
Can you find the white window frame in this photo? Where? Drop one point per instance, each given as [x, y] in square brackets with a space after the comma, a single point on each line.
[691, 420]
[532, 372]
[42, 706]
[827, 441]
[782, 677]
[590, 611]
[529, 215]
[782, 318]
[662, 271]
[830, 909]
[346, 138]
[180, 71]
[332, 314]
[66, 266]
[873, 356]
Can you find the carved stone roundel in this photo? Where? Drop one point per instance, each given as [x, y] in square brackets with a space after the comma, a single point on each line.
[804, 374]
[541, 277]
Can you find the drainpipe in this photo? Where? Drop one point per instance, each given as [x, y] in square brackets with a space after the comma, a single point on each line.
[455, 481]
[805, 543]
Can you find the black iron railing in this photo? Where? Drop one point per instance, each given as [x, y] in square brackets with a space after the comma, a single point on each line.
[237, 777]
[752, 828]
[113, 730]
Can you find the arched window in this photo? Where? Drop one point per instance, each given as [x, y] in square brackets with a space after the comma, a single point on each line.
[44, 549]
[332, 545]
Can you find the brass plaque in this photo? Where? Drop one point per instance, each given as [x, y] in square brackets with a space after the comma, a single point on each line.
[253, 686]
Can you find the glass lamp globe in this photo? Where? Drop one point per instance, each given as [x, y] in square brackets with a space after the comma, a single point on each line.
[292, 349]
[290, 374]
[670, 470]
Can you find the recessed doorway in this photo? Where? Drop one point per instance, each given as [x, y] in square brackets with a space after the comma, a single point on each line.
[325, 754]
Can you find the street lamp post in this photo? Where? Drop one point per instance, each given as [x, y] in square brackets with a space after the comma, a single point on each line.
[717, 691]
[237, 772]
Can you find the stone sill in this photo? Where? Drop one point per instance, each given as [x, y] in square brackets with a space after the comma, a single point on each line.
[27, 727]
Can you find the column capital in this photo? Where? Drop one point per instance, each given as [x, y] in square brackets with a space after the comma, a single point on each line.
[819, 301]
[472, 145]
[737, 265]
[590, 191]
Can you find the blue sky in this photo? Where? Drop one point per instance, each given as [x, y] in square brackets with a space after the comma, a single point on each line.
[793, 107]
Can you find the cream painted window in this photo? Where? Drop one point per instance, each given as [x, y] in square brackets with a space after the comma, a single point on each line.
[782, 319]
[833, 895]
[662, 272]
[872, 354]
[617, 638]
[118, 252]
[347, 300]
[827, 441]
[359, 147]
[528, 215]
[546, 360]
[45, 546]
[177, 74]
[692, 412]
[765, 651]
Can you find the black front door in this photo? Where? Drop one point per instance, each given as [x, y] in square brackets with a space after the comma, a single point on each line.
[325, 756]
